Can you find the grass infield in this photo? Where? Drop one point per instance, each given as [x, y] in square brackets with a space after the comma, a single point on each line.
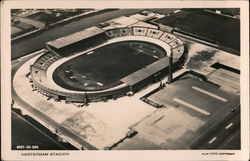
[104, 67]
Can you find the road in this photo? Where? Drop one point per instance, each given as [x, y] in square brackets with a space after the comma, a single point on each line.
[40, 139]
[38, 41]
[224, 132]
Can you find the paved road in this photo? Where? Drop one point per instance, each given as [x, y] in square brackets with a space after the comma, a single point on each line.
[221, 133]
[23, 129]
[38, 41]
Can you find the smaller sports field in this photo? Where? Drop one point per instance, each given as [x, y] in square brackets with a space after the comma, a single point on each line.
[103, 67]
[211, 26]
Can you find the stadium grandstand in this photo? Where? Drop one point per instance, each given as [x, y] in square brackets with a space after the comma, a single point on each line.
[149, 47]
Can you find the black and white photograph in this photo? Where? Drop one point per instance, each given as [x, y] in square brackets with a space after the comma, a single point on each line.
[133, 79]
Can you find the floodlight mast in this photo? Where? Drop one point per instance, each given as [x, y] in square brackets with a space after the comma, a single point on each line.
[170, 73]
[86, 98]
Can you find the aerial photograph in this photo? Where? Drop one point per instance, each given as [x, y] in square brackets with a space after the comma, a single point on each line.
[125, 79]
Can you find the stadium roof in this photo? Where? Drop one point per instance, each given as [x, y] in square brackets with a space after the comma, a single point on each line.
[75, 37]
[144, 24]
[146, 15]
[144, 73]
[120, 22]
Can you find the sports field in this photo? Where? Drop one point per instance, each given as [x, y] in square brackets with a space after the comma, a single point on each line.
[104, 67]
[214, 27]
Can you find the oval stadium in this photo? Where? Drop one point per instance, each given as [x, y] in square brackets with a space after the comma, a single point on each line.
[96, 64]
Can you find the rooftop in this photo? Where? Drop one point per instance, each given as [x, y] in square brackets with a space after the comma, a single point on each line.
[120, 22]
[75, 37]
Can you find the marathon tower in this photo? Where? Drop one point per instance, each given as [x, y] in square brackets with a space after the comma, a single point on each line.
[170, 68]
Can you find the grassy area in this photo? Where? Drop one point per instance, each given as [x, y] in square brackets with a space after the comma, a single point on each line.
[205, 25]
[106, 65]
